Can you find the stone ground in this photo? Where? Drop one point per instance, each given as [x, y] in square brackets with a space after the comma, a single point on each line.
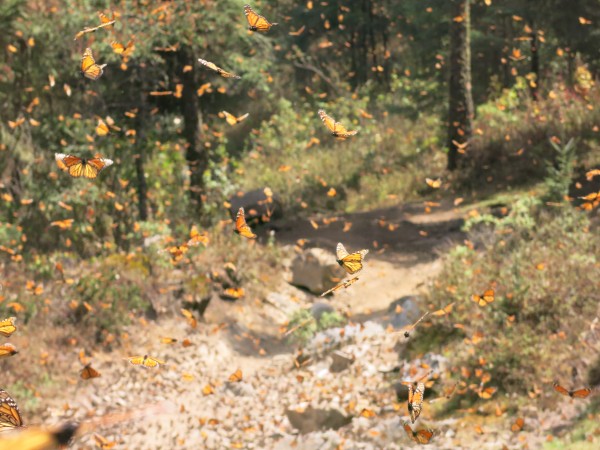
[189, 403]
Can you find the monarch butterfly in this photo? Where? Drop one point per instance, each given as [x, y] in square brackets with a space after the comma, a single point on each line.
[145, 361]
[445, 310]
[241, 227]
[232, 120]
[105, 22]
[40, 439]
[7, 326]
[236, 376]
[88, 372]
[517, 425]
[433, 184]
[10, 416]
[485, 298]
[80, 167]
[368, 413]
[7, 350]
[344, 284]
[579, 393]
[256, 22]
[337, 129]
[121, 49]
[102, 128]
[217, 69]
[420, 436]
[415, 400]
[233, 293]
[351, 262]
[89, 68]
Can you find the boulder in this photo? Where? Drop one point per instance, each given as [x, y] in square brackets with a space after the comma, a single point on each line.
[316, 270]
[309, 419]
[410, 311]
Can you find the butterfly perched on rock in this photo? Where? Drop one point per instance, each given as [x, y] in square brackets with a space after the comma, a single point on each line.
[145, 361]
[256, 22]
[217, 69]
[89, 68]
[81, 167]
[337, 129]
[10, 416]
[241, 227]
[351, 262]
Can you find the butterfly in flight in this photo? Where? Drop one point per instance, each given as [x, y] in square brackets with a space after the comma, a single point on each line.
[579, 393]
[145, 361]
[337, 129]
[80, 167]
[7, 326]
[89, 68]
[105, 22]
[421, 436]
[10, 416]
[241, 227]
[217, 69]
[484, 299]
[351, 262]
[232, 120]
[124, 50]
[7, 350]
[256, 22]
[415, 400]
[39, 438]
[88, 372]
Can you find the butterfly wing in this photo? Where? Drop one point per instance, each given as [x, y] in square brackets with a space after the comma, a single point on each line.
[241, 227]
[7, 350]
[7, 326]
[152, 362]
[581, 393]
[217, 69]
[89, 372]
[327, 120]
[236, 376]
[230, 118]
[409, 432]
[94, 166]
[423, 436]
[415, 401]
[351, 262]
[89, 68]
[10, 416]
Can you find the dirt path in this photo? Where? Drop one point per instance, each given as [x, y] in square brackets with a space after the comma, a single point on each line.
[202, 409]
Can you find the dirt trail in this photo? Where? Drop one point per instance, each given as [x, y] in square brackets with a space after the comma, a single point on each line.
[404, 242]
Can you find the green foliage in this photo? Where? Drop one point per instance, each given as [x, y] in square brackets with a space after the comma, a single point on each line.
[305, 325]
[560, 174]
[543, 264]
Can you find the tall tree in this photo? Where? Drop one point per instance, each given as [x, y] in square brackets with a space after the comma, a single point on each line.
[461, 108]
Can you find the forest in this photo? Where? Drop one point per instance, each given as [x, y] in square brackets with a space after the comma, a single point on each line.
[315, 224]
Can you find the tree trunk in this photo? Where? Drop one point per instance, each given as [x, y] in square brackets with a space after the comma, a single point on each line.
[461, 109]
[195, 154]
[535, 61]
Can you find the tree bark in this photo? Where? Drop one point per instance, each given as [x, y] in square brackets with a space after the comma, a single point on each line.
[195, 154]
[535, 61]
[461, 110]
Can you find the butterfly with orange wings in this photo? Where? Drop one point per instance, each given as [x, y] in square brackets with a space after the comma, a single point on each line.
[89, 68]
[241, 227]
[232, 120]
[421, 436]
[7, 326]
[415, 400]
[217, 69]
[236, 376]
[104, 22]
[40, 439]
[579, 393]
[350, 262]
[123, 50]
[10, 416]
[88, 372]
[337, 129]
[145, 361]
[484, 299]
[81, 167]
[7, 350]
[256, 22]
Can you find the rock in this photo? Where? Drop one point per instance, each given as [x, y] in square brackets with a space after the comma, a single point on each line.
[319, 308]
[282, 302]
[340, 361]
[258, 207]
[316, 270]
[410, 311]
[309, 419]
